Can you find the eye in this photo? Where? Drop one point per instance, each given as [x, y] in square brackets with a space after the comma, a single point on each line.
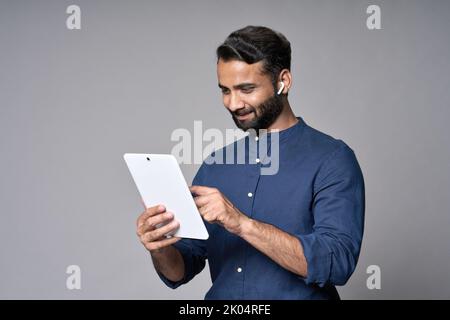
[247, 90]
[225, 91]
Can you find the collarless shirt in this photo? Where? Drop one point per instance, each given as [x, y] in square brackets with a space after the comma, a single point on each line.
[316, 195]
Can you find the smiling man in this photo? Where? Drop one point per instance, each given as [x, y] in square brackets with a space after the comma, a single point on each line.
[295, 234]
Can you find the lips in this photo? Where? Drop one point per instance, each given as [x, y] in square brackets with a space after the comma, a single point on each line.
[244, 116]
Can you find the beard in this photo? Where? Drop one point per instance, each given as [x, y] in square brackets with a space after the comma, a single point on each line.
[268, 112]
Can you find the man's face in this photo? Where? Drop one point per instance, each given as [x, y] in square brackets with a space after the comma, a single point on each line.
[248, 94]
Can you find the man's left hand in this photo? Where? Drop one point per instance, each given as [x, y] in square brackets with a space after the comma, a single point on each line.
[216, 208]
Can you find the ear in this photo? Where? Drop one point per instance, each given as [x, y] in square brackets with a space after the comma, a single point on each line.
[286, 78]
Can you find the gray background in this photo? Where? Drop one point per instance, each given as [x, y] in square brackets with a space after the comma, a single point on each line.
[72, 102]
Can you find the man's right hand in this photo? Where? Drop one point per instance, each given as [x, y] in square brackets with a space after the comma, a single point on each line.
[152, 237]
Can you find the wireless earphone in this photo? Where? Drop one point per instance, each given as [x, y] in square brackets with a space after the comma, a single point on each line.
[281, 88]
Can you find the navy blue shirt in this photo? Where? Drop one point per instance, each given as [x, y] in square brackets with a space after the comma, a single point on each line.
[317, 195]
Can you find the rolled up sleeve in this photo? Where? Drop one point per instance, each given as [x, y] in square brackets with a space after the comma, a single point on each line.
[333, 248]
[194, 257]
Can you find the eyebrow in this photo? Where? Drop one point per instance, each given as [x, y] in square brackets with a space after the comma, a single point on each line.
[239, 86]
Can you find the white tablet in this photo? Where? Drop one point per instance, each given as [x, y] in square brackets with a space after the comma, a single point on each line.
[159, 180]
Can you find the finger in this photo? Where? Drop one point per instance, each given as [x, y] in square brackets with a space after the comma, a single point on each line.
[204, 212]
[210, 216]
[151, 223]
[161, 244]
[201, 201]
[202, 190]
[149, 213]
[160, 232]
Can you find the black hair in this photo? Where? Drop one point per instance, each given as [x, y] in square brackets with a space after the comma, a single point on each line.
[257, 43]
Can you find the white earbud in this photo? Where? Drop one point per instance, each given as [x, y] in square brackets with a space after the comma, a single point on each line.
[281, 88]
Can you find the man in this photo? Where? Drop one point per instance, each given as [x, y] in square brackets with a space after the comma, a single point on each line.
[290, 235]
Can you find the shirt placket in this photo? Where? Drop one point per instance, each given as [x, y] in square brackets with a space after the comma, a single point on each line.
[253, 176]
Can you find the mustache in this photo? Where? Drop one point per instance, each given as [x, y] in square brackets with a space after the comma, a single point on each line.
[243, 111]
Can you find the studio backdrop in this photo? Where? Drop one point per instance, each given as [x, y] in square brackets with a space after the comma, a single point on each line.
[83, 82]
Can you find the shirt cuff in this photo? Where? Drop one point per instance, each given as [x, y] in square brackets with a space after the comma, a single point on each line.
[186, 253]
[318, 259]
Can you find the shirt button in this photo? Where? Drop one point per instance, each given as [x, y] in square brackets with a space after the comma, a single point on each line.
[239, 269]
[257, 160]
[256, 138]
[250, 194]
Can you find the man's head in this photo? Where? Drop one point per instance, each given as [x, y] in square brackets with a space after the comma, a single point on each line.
[252, 64]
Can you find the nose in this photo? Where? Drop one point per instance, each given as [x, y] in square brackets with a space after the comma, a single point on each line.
[234, 102]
